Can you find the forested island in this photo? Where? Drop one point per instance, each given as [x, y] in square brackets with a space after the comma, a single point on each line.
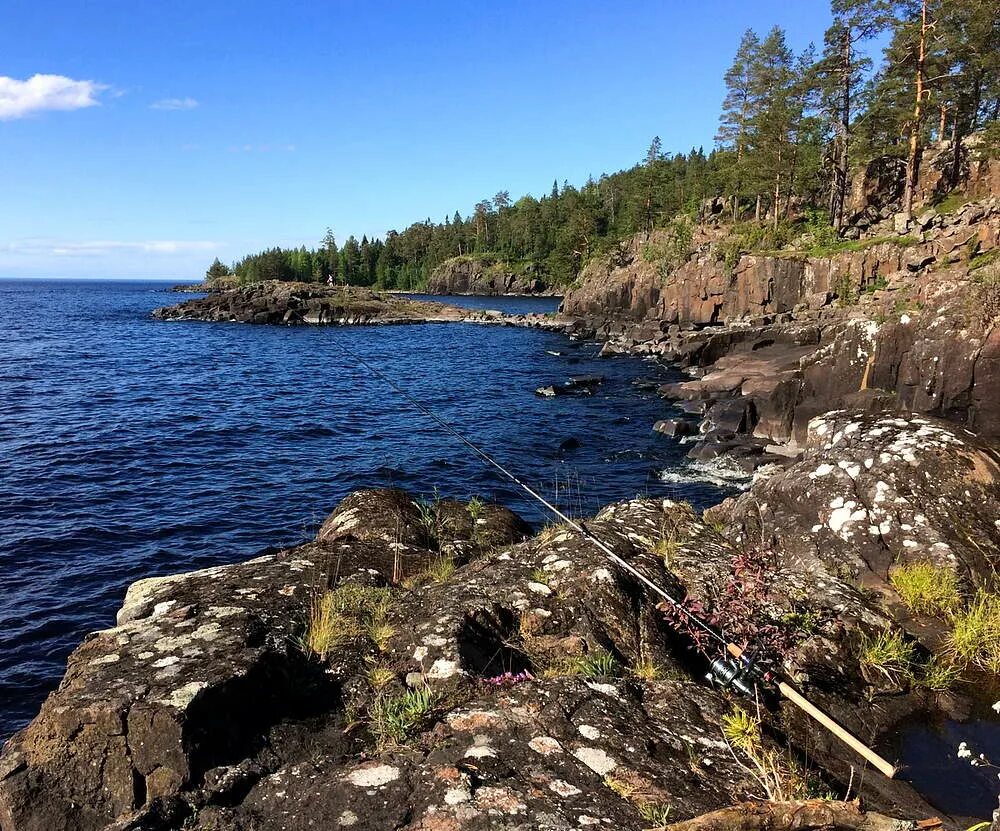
[792, 130]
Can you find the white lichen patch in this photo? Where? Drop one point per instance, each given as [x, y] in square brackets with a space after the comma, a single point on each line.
[112, 658]
[601, 575]
[605, 689]
[596, 759]
[588, 731]
[443, 668]
[456, 796]
[183, 696]
[374, 776]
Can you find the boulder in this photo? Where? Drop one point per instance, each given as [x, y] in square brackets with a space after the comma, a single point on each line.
[545, 689]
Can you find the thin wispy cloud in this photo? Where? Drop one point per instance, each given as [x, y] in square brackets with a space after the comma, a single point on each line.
[174, 104]
[96, 248]
[262, 148]
[43, 93]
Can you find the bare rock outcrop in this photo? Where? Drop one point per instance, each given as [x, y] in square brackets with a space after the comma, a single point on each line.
[473, 681]
[280, 302]
[483, 275]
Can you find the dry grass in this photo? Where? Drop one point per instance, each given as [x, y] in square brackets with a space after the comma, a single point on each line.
[778, 777]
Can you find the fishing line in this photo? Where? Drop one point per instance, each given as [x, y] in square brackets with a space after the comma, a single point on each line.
[577, 526]
[740, 671]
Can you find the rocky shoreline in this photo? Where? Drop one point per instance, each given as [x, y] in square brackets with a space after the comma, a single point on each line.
[439, 666]
[284, 303]
[477, 677]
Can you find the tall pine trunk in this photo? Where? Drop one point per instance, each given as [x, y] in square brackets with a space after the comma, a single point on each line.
[839, 191]
[913, 154]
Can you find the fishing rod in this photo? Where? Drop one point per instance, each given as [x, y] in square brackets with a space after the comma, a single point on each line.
[737, 671]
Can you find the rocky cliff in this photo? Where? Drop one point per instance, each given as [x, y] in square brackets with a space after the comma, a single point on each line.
[425, 669]
[892, 322]
[484, 276]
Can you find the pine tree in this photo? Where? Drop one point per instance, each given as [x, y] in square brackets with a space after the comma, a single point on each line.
[734, 122]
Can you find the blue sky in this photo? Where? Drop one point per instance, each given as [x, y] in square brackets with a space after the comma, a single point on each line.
[178, 131]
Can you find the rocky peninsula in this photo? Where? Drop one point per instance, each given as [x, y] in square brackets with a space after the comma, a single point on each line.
[289, 303]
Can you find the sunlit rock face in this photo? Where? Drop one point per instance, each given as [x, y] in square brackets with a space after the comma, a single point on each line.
[545, 688]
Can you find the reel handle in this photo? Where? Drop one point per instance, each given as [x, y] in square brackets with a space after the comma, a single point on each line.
[842, 733]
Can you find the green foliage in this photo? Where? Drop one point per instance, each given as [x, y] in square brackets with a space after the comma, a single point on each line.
[950, 203]
[846, 290]
[925, 587]
[674, 246]
[975, 633]
[986, 293]
[216, 271]
[342, 614]
[938, 675]
[395, 719]
[888, 654]
[594, 665]
[791, 129]
[599, 665]
[656, 814]
[779, 778]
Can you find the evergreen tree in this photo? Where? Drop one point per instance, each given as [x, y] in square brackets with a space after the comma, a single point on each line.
[734, 122]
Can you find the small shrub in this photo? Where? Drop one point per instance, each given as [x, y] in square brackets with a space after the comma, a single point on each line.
[975, 633]
[779, 778]
[889, 654]
[846, 291]
[925, 587]
[394, 719]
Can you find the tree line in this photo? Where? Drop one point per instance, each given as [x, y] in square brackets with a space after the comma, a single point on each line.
[791, 130]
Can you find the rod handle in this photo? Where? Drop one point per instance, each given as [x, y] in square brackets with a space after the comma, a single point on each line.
[842, 733]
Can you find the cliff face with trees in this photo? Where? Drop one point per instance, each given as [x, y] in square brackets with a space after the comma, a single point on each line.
[792, 128]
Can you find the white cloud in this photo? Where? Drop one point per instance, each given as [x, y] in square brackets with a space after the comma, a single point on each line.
[174, 104]
[97, 248]
[40, 93]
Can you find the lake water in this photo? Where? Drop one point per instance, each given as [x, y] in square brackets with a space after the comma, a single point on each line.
[131, 447]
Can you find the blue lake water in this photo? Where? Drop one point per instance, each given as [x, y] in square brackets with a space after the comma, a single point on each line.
[131, 447]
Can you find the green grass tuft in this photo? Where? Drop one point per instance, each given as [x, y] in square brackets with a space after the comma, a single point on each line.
[890, 654]
[926, 588]
[395, 719]
[975, 633]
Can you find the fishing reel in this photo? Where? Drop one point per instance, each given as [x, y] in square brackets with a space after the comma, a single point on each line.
[742, 674]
